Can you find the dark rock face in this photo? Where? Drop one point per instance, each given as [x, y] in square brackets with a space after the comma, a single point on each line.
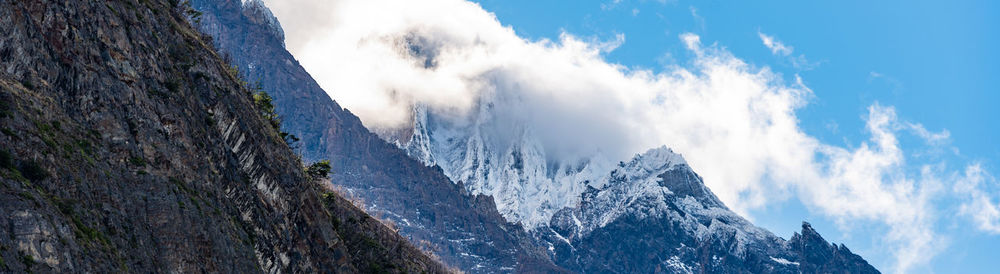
[464, 230]
[129, 146]
[373, 248]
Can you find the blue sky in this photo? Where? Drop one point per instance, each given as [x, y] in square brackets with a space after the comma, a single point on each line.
[936, 63]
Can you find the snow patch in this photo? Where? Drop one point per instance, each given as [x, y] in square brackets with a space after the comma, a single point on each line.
[678, 266]
[784, 261]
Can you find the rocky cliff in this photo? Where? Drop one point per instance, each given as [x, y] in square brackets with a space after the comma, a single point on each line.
[129, 145]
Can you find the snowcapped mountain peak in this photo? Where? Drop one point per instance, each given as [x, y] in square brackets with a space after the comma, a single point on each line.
[660, 157]
[657, 182]
[652, 162]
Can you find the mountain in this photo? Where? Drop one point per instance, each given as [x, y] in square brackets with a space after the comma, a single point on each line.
[651, 213]
[465, 230]
[654, 214]
[129, 145]
[486, 195]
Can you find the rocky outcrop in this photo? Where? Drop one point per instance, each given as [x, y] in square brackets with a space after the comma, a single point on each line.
[464, 230]
[128, 145]
[819, 256]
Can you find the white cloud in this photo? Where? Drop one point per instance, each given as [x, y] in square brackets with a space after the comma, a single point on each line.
[777, 48]
[780, 49]
[871, 182]
[735, 123]
[933, 138]
[978, 203]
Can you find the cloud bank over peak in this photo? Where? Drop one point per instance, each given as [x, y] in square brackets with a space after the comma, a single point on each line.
[735, 123]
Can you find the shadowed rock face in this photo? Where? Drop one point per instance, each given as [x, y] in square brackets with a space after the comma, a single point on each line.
[464, 230]
[129, 146]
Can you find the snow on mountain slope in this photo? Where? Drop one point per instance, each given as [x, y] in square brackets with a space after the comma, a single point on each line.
[639, 186]
[653, 214]
[655, 184]
[501, 157]
[657, 195]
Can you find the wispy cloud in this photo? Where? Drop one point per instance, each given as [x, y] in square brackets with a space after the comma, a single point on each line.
[932, 138]
[610, 5]
[873, 182]
[379, 58]
[979, 203]
[776, 46]
[780, 49]
[700, 21]
[895, 86]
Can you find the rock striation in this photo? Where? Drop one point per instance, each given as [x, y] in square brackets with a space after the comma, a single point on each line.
[129, 145]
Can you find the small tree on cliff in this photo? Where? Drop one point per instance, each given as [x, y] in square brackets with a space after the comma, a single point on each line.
[318, 170]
